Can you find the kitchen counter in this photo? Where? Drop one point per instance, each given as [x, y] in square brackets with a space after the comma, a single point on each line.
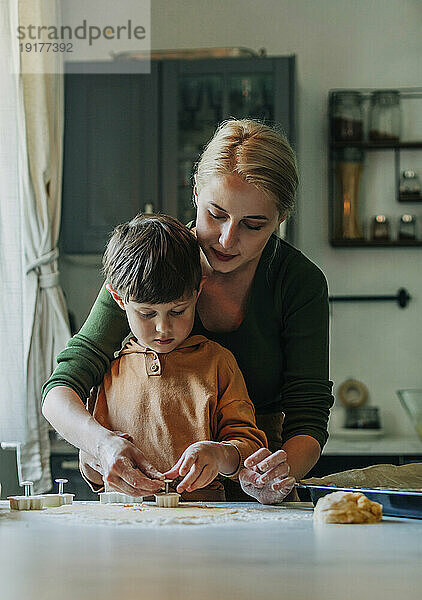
[336, 445]
[393, 445]
[42, 558]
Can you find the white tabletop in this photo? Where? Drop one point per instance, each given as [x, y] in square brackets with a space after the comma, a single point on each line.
[44, 559]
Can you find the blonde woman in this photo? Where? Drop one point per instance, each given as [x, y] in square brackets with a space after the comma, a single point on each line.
[262, 299]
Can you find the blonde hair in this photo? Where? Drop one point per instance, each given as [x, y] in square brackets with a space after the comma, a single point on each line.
[259, 154]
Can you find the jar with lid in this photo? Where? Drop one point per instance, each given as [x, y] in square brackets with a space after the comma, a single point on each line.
[410, 184]
[380, 228]
[347, 117]
[407, 227]
[385, 116]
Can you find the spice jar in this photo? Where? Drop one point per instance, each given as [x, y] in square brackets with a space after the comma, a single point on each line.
[347, 117]
[380, 229]
[410, 184]
[385, 116]
[407, 227]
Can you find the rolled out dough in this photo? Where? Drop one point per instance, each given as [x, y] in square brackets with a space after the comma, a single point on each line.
[404, 477]
[347, 507]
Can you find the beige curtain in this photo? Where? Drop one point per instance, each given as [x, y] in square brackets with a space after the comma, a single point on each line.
[45, 316]
[12, 268]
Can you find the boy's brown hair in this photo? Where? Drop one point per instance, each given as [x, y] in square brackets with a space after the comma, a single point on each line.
[153, 259]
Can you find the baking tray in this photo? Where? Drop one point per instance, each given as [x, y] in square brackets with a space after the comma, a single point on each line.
[395, 503]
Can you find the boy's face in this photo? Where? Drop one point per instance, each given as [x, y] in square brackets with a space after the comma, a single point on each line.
[160, 327]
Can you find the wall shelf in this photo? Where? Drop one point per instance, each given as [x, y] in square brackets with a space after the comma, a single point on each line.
[394, 145]
[409, 198]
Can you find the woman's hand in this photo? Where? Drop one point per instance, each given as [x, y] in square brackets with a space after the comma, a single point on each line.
[266, 476]
[198, 465]
[124, 467]
[90, 468]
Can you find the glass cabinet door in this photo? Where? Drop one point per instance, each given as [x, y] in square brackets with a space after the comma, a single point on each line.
[203, 102]
[251, 96]
[197, 95]
[200, 109]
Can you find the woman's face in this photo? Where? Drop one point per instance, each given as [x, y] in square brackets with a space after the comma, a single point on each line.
[234, 222]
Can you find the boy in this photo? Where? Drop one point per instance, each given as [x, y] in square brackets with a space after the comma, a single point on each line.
[181, 399]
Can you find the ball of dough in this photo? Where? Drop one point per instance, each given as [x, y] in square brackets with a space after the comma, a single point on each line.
[347, 507]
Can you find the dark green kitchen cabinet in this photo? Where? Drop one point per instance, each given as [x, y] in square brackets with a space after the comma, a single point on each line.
[110, 163]
[132, 140]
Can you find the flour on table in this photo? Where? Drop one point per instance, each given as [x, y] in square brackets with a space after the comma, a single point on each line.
[185, 514]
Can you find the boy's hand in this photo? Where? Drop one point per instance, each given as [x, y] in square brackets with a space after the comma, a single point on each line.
[126, 469]
[198, 465]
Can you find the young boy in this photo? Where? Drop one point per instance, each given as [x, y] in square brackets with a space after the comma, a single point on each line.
[181, 399]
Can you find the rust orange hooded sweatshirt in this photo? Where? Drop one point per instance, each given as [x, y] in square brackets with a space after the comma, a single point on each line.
[166, 402]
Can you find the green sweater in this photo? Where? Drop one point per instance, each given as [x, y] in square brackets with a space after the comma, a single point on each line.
[281, 345]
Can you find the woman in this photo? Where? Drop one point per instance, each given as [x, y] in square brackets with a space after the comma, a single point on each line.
[262, 299]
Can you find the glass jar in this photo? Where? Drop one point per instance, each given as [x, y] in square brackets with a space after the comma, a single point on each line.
[362, 417]
[407, 227]
[349, 165]
[380, 228]
[410, 184]
[347, 117]
[385, 116]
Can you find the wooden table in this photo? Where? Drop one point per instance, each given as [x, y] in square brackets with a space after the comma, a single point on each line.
[43, 559]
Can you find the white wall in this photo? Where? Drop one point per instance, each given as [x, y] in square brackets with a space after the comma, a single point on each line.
[338, 43]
